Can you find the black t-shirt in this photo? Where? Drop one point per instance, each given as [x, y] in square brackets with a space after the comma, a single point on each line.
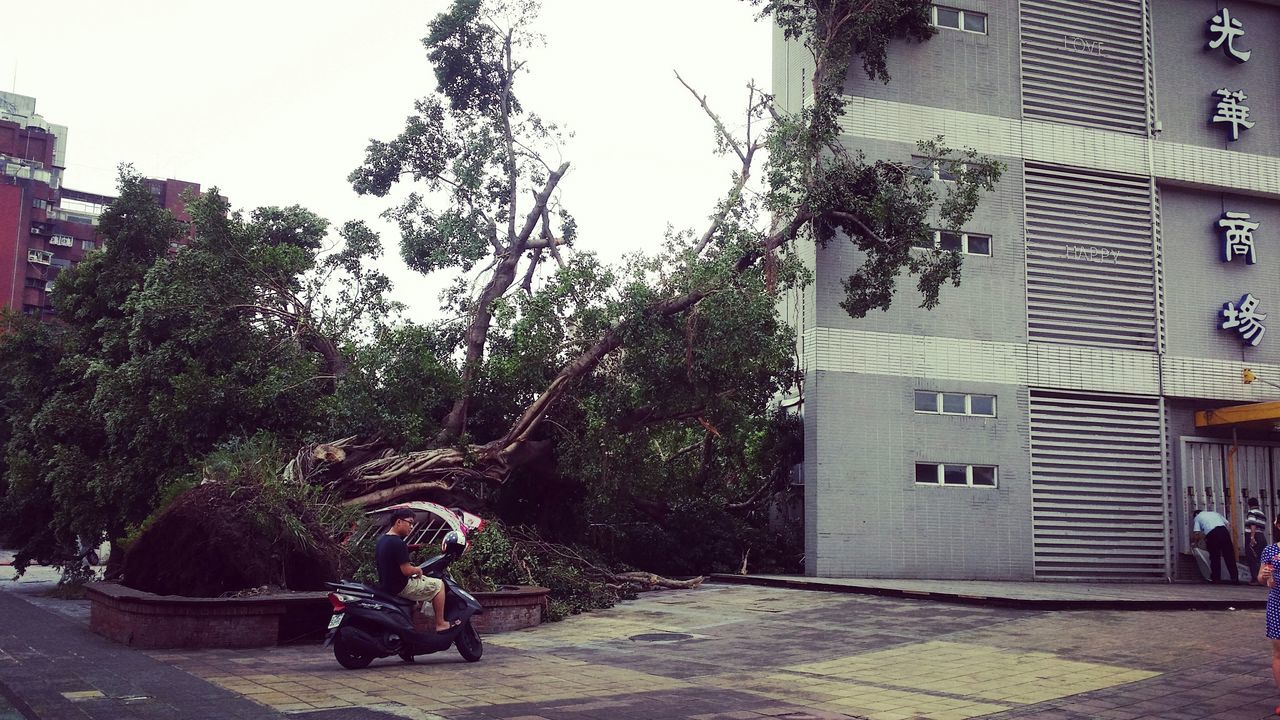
[390, 554]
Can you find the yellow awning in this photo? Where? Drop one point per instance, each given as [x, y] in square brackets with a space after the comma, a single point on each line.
[1238, 415]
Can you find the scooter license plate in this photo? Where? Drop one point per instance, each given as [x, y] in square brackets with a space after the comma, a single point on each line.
[335, 621]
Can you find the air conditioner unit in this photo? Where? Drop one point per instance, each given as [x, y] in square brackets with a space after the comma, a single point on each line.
[43, 257]
[35, 230]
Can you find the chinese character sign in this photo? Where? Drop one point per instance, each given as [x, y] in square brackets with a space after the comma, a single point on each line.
[1237, 237]
[1231, 109]
[1236, 228]
[1244, 319]
[1223, 31]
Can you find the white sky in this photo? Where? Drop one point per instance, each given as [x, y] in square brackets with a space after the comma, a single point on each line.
[274, 101]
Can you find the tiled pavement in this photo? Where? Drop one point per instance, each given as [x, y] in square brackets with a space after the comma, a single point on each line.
[1038, 595]
[52, 667]
[755, 652]
[717, 653]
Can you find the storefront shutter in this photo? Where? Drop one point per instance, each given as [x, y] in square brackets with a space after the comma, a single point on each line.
[1097, 493]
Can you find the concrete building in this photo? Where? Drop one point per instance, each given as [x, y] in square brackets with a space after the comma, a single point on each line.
[1041, 423]
[45, 226]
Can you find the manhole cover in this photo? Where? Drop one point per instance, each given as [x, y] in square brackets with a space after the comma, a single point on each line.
[661, 637]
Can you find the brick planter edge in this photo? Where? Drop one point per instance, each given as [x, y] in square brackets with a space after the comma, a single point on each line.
[512, 608]
[145, 620]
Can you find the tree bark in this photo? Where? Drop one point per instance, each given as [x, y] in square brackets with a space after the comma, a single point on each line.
[504, 274]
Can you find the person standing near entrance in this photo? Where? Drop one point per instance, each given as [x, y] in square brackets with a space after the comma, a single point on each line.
[1266, 576]
[1255, 538]
[1217, 538]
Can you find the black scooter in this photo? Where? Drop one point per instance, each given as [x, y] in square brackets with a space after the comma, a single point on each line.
[368, 623]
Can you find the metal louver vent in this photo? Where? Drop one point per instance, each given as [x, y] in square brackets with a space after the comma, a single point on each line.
[1097, 492]
[1090, 259]
[1083, 63]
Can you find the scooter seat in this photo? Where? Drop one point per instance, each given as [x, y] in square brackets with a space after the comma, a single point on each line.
[375, 592]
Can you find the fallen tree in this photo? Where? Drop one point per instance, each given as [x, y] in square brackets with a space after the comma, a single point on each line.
[476, 151]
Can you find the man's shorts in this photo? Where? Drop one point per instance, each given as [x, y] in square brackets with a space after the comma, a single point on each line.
[421, 588]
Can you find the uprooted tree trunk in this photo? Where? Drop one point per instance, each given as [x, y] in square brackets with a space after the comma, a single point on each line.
[633, 581]
[369, 473]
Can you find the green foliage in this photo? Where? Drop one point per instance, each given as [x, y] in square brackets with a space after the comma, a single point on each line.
[169, 493]
[501, 556]
[245, 525]
[164, 356]
[27, 349]
[466, 56]
[837, 32]
[399, 384]
[883, 207]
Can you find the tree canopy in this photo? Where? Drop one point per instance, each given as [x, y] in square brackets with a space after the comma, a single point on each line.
[161, 356]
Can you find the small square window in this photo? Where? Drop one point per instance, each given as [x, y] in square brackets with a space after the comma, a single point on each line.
[966, 20]
[953, 403]
[923, 167]
[949, 241]
[978, 245]
[926, 401]
[946, 17]
[924, 242]
[984, 476]
[982, 405]
[945, 172]
[926, 473]
[955, 475]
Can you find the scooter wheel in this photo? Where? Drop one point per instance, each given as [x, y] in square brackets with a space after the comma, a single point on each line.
[468, 642]
[347, 657]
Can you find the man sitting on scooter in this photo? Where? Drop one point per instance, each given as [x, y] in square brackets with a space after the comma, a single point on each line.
[398, 576]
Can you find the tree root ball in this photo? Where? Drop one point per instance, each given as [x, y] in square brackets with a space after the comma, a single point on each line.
[220, 538]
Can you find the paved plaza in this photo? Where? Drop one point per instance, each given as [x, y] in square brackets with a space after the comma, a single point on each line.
[720, 652]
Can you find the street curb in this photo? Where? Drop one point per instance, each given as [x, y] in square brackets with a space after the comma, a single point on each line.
[990, 600]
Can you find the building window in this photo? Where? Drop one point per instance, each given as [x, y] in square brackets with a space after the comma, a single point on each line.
[39, 204]
[87, 245]
[931, 169]
[948, 403]
[61, 240]
[956, 474]
[928, 168]
[961, 242]
[963, 20]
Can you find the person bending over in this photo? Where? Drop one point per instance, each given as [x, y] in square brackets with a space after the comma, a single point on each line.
[1213, 528]
[398, 576]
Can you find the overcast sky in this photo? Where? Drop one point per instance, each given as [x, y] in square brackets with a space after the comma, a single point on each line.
[274, 101]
